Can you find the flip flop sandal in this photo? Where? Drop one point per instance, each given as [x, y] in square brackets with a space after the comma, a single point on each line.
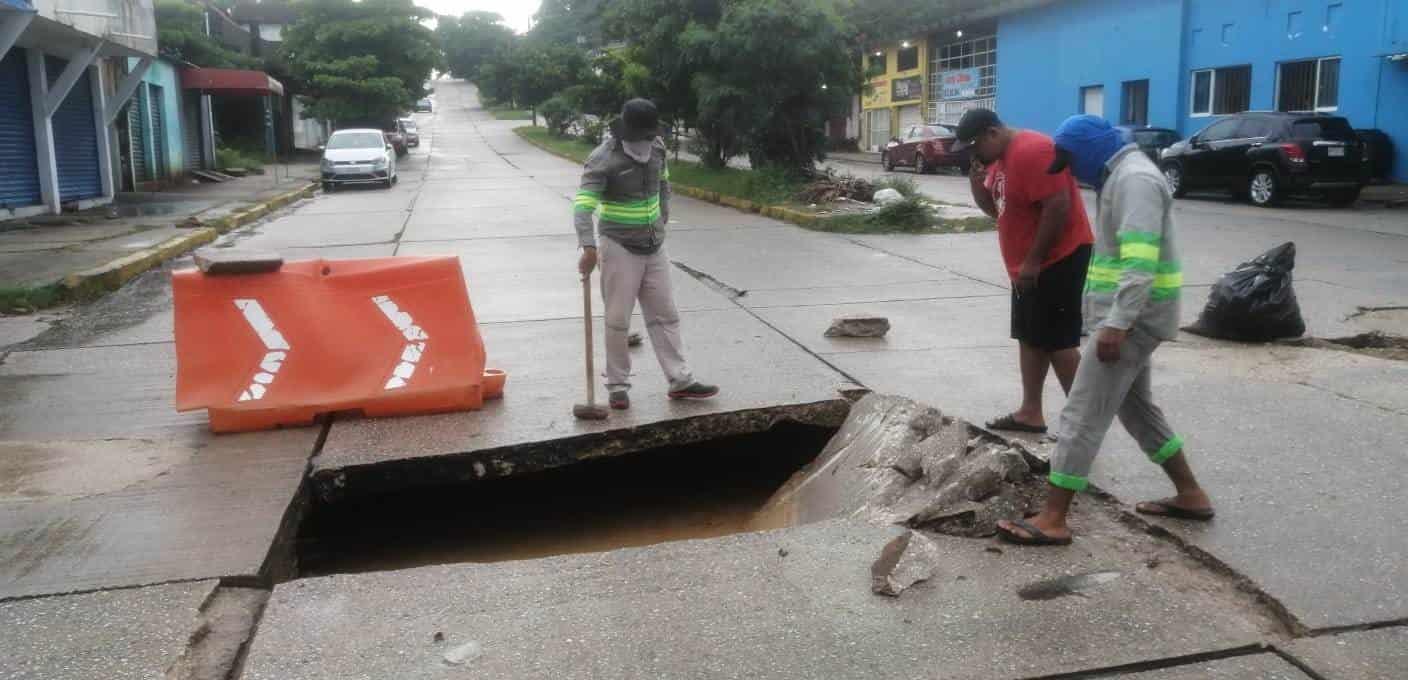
[1036, 536]
[1011, 424]
[1162, 509]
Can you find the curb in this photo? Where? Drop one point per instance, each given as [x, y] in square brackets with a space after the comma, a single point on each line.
[114, 274]
[777, 212]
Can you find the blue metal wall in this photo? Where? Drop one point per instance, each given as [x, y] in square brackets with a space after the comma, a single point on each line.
[1045, 56]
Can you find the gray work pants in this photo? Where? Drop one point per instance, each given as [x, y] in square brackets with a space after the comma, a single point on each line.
[625, 278]
[1102, 392]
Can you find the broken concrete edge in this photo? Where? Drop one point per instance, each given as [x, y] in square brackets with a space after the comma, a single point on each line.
[112, 275]
[332, 485]
[226, 623]
[781, 213]
[234, 580]
[1291, 625]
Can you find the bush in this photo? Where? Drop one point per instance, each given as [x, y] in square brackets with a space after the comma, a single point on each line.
[906, 186]
[226, 157]
[912, 214]
[594, 129]
[559, 114]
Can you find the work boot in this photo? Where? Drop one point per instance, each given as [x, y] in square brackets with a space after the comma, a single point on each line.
[695, 390]
[620, 400]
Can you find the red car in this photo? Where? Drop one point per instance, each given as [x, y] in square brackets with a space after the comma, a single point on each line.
[925, 148]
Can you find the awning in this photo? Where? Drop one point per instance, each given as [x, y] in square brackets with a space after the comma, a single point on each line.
[230, 81]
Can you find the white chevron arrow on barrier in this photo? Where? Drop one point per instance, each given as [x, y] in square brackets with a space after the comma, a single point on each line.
[275, 346]
[416, 339]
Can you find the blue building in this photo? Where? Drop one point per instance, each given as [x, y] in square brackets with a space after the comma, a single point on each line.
[1181, 63]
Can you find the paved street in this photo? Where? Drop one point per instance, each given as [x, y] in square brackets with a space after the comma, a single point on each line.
[103, 486]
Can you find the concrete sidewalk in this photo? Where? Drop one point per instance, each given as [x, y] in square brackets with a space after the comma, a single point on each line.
[102, 248]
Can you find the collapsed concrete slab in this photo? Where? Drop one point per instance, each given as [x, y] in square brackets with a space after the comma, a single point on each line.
[791, 603]
[130, 634]
[532, 428]
[896, 461]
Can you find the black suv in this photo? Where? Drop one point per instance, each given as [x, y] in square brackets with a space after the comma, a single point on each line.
[1267, 156]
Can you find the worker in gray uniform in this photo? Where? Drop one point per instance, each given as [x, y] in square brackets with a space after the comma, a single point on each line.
[1131, 306]
[626, 182]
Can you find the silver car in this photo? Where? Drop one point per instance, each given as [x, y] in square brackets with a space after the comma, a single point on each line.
[358, 156]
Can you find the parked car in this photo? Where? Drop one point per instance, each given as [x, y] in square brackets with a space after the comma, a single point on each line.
[925, 148]
[410, 131]
[425, 106]
[397, 139]
[358, 156]
[1267, 156]
[1151, 140]
[1378, 153]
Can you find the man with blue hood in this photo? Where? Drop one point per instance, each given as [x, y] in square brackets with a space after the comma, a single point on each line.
[1131, 306]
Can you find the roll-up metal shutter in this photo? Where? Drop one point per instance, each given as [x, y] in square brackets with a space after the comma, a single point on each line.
[75, 139]
[19, 173]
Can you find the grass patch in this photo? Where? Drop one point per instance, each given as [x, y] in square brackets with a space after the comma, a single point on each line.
[768, 186]
[25, 300]
[505, 113]
[571, 147]
[226, 157]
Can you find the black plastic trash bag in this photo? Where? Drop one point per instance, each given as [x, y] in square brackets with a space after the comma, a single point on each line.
[1254, 302]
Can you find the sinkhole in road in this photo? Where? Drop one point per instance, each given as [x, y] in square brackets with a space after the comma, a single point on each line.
[700, 490]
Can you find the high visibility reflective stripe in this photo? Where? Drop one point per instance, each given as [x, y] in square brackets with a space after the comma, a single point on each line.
[1068, 482]
[1148, 237]
[1170, 449]
[586, 201]
[1139, 252]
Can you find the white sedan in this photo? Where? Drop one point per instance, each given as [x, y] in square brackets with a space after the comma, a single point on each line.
[358, 156]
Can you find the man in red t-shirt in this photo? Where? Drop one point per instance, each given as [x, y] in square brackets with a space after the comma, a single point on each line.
[1046, 242]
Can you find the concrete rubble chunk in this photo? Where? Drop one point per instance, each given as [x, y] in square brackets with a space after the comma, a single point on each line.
[214, 262]
[896, 461]
[909, 559]
[859, 327]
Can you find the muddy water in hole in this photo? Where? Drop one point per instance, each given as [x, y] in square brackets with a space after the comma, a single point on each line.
[698, 491]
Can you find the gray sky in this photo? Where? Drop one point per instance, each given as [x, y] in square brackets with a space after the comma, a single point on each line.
[516, 13]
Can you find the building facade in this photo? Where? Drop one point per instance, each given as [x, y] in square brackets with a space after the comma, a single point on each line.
[1181, 64]
[896, 91]
[63, 81]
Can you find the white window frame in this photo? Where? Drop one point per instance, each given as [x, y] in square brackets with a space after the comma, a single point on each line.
[1193, 92]
[1319, 65]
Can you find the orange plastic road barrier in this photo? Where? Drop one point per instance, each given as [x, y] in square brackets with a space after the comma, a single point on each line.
[386, 336]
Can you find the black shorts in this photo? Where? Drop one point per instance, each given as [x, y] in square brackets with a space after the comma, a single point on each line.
[1049, 317]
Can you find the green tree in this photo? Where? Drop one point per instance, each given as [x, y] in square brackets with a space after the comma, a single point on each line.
[769, 75]
[568, 22]
[545, 70]
[360, 61]
[652, 29]
[180, 28]
[878, 21]
[469, 41]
